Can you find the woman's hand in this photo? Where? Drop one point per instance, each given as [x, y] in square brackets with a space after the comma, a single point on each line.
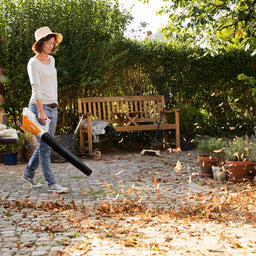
[41, 114]
[42, 117]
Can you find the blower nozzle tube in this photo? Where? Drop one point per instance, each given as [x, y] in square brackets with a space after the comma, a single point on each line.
[70, 157]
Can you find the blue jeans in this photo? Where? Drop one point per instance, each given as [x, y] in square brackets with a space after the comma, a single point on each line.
[43, 152]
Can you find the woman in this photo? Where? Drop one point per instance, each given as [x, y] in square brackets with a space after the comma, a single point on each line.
[43, 102]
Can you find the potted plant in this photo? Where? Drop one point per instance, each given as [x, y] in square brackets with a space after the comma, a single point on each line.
[252, 142]
[10, 151]
[210, 153]
[238, 155]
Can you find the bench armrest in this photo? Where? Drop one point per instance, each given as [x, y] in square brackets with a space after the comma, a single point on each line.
[172, 110]
[85, 115]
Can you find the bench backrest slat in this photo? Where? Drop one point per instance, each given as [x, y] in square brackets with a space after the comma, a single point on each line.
[148, 108]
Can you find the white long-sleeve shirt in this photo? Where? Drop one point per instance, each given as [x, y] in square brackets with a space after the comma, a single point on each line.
[43, 79]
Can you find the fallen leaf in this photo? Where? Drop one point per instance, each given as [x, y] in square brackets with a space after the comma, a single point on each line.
[178, 166]
[118, 173]
[130, 189]
[155, 183]
[107, 185]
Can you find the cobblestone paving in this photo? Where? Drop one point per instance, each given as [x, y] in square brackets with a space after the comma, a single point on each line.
[28, 228]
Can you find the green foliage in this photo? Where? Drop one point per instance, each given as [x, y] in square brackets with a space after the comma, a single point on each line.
[249, 80]
[240, 149]
[191, 122]
[210, 146]
[252, 142]
[217, 24]
[208, 83]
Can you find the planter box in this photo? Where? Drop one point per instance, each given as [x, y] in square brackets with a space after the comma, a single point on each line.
[10, 158]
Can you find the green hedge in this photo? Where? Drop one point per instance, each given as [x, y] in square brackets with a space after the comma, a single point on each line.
[208, 83]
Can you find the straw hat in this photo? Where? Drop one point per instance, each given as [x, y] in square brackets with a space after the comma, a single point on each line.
[43, 32]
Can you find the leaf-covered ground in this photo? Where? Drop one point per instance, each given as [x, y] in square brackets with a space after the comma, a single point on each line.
[219, 219]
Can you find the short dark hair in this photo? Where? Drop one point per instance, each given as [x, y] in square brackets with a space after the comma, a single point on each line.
[39, 44]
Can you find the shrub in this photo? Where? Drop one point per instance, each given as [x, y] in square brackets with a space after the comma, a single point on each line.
[210, 146]
[239, 149]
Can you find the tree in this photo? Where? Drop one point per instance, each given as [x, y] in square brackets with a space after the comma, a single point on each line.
[214, 24]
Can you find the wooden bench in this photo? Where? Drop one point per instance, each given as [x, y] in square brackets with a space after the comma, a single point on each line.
[126, 113]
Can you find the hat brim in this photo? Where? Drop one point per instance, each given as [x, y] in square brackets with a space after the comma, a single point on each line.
[59, 38]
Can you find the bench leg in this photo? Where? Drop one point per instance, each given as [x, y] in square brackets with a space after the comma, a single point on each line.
[81, 142]
[177, 130]
[90, 147]
[89, 127]
[82, 138]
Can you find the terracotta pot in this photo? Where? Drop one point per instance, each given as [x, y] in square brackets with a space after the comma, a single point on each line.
[206, 164]
[252, 170]
[238, 170]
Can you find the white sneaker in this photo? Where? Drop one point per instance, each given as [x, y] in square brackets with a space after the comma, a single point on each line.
[58, 189]
[32, 182]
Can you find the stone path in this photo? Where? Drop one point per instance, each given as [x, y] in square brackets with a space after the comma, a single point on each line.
[86, 222]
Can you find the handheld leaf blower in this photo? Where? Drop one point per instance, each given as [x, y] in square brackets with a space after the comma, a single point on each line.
[30, 123]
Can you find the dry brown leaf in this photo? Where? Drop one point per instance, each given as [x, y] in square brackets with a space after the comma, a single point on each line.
[83, 192]
[130, 189]
[178, 149]
[155, 183]
[105, 183]
[178, 166]
[116, 197]
[118, 173]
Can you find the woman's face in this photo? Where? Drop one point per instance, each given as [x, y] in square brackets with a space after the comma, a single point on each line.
[48, 45]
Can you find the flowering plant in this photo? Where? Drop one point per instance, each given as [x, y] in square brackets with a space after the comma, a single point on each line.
[240, 149]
